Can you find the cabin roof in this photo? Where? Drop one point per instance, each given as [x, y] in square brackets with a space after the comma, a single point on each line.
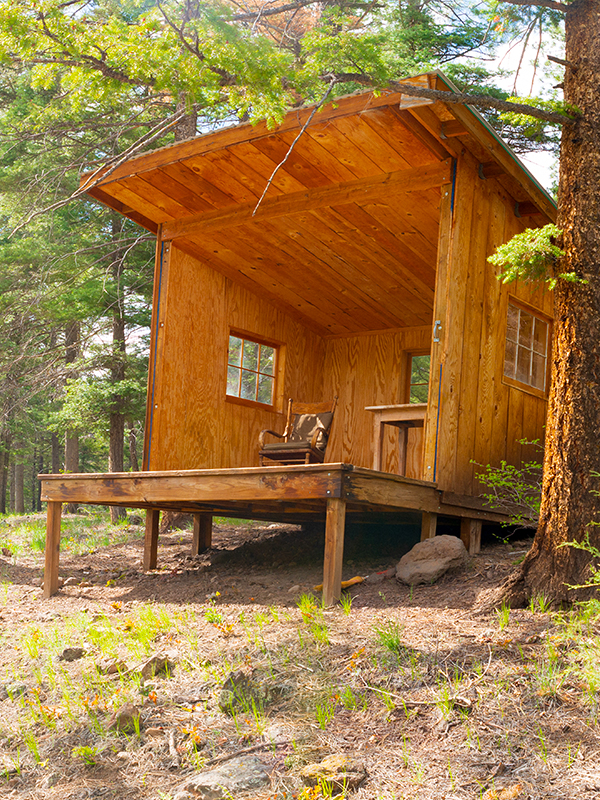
[346, 236]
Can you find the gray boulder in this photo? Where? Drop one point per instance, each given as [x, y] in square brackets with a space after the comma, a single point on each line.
[242, 774]
[430, 559]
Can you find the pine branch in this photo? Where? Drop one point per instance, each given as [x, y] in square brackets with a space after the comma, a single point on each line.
[459, 98]
[553, 4]
[296, 6]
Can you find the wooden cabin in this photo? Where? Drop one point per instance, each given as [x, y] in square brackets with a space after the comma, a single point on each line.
[355, 255]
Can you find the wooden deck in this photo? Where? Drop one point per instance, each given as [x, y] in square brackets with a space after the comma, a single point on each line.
[281, 493]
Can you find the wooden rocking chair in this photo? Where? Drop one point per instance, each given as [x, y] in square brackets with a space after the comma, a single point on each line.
[304, 439]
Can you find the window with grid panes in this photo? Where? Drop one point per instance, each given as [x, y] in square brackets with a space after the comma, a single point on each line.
[251, 370]
[419, 378]
[526, 353]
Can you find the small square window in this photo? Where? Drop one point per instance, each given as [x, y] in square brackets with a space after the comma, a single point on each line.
[526, 352]
[251, 370]
[419, 378]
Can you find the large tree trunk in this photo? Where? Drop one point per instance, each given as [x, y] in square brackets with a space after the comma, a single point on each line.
[569, 505]
[186, 127]
[19, 473]
[5, 442]
[55, 454]
[134, 463]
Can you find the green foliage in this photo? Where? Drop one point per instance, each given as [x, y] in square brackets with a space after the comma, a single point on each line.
[515, 491]
[532, 256]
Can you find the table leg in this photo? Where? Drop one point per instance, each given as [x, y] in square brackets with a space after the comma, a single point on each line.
[378, 434]
[402, 448]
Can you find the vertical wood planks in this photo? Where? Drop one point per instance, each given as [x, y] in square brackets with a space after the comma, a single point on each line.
[195, 426]
[159, 295]
[430, 434]
[452, 353]
[334, 550]
[151, 538]
[471, 338]
[53, 516]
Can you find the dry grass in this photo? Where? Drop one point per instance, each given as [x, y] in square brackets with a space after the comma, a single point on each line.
[437, 701]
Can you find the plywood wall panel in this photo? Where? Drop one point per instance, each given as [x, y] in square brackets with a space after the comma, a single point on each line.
[194, 425]
[367, 371]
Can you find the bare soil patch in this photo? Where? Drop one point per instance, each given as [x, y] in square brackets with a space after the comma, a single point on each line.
[435, 699]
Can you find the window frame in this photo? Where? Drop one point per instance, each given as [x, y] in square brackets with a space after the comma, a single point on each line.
[535, 313]
[278, 362]
[407, 382]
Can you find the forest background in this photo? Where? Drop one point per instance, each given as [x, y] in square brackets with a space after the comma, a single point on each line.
[84, 85]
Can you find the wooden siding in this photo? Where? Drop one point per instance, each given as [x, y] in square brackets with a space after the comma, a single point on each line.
[193, 426]
[481, 418]
[370, 370]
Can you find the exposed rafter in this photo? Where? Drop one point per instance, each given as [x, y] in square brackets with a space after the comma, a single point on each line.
[360, 190]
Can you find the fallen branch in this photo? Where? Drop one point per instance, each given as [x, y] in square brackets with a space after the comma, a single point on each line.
[245, 750]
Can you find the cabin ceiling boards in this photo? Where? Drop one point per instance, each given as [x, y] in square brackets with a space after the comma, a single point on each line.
[345, 235]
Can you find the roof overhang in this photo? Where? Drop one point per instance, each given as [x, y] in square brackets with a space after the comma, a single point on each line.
[345, 236]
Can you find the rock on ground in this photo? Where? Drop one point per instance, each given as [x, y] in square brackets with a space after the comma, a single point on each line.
[125, 720]
[342, 772]
[238, 775]
[256, 689]
[430, 559]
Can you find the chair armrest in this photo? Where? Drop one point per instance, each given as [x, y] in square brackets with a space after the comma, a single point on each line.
[319, 434]
[261, 437]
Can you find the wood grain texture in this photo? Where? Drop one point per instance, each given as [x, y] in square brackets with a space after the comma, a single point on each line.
[151, 538]
[428, 525]
[345, 189]
[52, 555]
[368, 371]
[334, 550]
[482, 419]
[202, 533]
[470, 534]
[194, 426]
[279, 492]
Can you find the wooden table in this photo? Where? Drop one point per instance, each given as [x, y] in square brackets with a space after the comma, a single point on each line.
[402, 416]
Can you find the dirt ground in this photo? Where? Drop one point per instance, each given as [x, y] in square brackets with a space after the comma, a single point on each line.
[435, 699]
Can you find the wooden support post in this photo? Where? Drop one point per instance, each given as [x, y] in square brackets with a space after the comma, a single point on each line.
[428, 525]
[334, 550]
[470, 533]
[202, 537]
[52, 548]
[151, 538]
